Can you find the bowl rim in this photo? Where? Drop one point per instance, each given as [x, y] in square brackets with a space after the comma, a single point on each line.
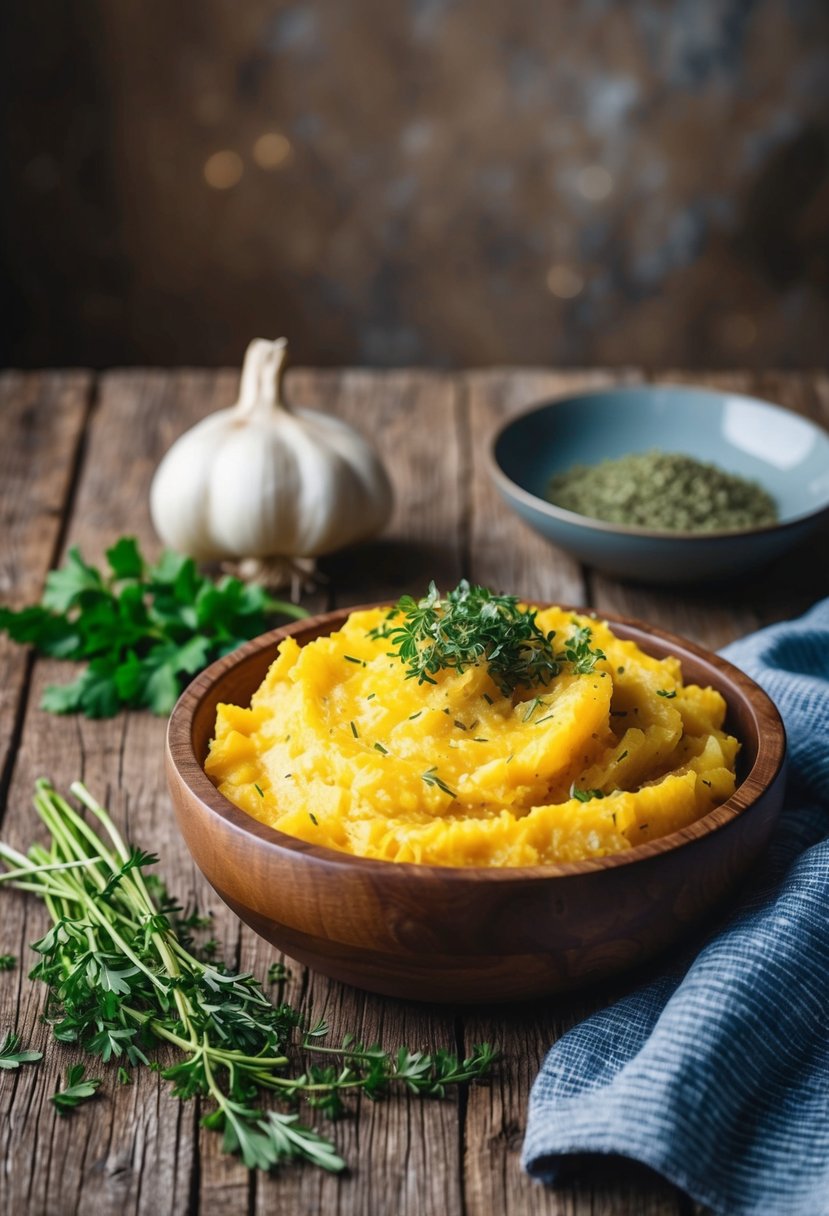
[511, 488]
[763, 775]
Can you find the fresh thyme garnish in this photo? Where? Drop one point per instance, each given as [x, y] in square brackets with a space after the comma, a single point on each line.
[259, 790]
[313, 819]
[383, 750]
[124, 976]
[663, 692]
[532, 706]
[473, 625]
[354, 730]
[431, 778]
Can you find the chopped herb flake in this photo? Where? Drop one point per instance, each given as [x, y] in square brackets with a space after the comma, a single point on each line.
[431, 778]
[585, 795]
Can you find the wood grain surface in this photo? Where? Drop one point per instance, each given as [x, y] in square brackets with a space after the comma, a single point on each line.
[74, 469]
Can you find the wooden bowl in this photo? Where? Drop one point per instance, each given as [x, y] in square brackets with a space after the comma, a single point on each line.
[471, 934]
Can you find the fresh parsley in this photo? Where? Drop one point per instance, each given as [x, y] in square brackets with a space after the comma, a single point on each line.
[473, 625]
[11, 1057]
[8, 962]
[142, 629]
[76, 1090]
[124, 977]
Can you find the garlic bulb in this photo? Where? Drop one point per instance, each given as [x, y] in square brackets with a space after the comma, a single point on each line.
[262, 480]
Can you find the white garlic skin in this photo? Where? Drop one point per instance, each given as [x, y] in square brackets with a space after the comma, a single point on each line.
[260, 480]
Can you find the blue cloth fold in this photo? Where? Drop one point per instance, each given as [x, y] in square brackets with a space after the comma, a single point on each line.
[716, 1074]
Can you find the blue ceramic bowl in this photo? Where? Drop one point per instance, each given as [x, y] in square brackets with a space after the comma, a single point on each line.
[785, 453]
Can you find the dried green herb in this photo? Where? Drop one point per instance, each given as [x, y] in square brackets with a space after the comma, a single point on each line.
[665, 491]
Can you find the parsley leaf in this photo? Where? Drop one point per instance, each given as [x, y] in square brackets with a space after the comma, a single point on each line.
[76, 1090]
[142, 629]
[10, 1057]
[8, 962]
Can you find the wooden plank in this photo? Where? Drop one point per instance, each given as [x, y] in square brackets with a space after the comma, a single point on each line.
[44, 418]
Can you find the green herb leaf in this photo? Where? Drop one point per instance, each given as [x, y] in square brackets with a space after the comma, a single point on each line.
[76, 1090]
[431, 777]
[142, 630]
[125, 978]
[10, 1057]
[8, 962]
[663, 692]
[474, 625]
[585, 795]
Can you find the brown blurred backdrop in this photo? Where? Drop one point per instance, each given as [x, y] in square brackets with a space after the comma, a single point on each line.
[437, 182]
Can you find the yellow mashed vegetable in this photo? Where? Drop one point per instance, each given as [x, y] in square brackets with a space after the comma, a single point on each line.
[339, 748]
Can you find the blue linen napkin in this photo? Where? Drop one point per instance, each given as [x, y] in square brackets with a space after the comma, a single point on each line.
[716, 1074]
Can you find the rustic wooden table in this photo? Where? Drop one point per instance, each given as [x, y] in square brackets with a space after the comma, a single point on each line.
[75, 467]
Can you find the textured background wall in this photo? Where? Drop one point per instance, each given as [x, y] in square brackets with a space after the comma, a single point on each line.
[442, 182]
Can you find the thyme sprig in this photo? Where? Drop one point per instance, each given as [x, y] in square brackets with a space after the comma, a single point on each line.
[472, 625]
[124, 976]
